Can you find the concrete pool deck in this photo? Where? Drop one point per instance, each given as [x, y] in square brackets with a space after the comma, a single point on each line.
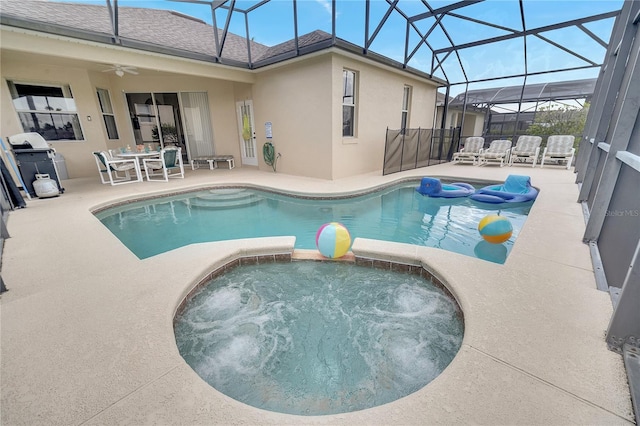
[86, 327]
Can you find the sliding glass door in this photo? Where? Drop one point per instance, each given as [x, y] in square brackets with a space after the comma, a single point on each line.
[180, 119]
[197, 124]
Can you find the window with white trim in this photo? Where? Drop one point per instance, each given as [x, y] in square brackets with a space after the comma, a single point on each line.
[348, 103]
[406, 105]
[107, 113]
[49, 110]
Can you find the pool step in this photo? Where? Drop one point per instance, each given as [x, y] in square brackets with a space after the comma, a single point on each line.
[226, 194]
[225, 199]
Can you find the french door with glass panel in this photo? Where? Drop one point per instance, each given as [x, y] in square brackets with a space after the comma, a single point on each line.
[246, 127]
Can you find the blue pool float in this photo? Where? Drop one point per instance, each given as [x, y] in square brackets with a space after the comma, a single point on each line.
[434, 188]
[516, 189]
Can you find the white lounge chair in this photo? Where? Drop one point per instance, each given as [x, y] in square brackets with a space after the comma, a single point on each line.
[498, 152]
[469, 152]
[527, 148]
[117, 171]
[167, 165]
[559, 148]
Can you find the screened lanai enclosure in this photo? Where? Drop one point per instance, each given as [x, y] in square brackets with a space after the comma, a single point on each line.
[509, 112]
[497, 65]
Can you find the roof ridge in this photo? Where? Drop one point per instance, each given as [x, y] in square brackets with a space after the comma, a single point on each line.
[289, 45]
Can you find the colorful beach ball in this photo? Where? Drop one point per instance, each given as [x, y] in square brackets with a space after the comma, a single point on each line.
[333, 240]
[495, 229]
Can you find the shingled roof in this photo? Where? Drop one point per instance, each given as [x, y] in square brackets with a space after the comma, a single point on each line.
[166, 29]
[168, 32]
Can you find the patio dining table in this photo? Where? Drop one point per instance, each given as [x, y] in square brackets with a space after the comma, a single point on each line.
[139, 156]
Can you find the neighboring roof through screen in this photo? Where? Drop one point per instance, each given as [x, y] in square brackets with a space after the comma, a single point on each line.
[554, 91]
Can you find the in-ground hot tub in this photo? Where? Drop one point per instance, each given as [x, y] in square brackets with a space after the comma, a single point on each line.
[315, 338]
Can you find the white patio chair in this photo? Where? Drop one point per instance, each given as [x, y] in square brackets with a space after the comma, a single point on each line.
[498, 152]
[117, 171]
[167, 165]
[559, 148]
[469, 152]
[527, 149]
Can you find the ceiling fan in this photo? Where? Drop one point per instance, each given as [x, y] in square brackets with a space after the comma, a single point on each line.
[121, 69]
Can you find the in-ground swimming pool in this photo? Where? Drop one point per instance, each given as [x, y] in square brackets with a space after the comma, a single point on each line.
[397, 213]
[314, 338]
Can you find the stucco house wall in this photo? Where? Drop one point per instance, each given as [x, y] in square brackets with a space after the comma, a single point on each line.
[379, 95]
[25, 57]
[473, 121]
[473, 124]
[220, 94]
[302, 98]
[78, 158]
[303, 101]
[83, 83]
[297, 99]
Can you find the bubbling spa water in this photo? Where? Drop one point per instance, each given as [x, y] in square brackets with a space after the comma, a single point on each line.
[314, 338]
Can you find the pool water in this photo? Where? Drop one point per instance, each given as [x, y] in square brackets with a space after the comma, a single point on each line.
[397, 213]
[314, 338]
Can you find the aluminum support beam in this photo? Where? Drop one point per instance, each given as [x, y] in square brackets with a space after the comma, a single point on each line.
[604, 93]
[526, 71]
[257, 5]
[113, 15]
[569, 51]
[220, 48]
[605, 96]
[381, 24]
[624, 326]
[367, 16]
[532, 31]
[629, 159]
[445, 110]
[482, 80]
[464, 110]
[215, 32]
[333, 21]
[246, 28]
[446, 33]
[444, 9]
[625, 116]
[294, 3]
[631, 355]
[593, 36]
[208, 3]
[214, 4]
[424, 38]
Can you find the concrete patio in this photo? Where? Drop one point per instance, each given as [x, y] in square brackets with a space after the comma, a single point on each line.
[87, 337]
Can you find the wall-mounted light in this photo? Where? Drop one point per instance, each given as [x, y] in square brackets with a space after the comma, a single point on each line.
[88, 118]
